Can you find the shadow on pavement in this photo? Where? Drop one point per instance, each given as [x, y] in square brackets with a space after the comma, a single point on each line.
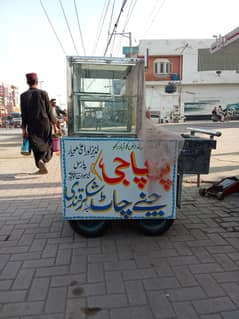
[225, 154]
[224, 168]
[3, 145]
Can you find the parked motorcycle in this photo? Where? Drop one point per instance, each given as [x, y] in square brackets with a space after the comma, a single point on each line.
[216, 118]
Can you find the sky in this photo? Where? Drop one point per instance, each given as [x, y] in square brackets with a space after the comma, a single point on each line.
[37, 35]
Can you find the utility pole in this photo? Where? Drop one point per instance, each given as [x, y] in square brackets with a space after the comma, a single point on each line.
[180, 80]
[127, 35]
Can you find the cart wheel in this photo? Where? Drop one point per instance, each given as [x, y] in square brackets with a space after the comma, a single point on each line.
[89, 228]
[202, 191]
[155, 227]
[220, 195]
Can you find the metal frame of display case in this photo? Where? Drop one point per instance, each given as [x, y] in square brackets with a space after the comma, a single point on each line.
[80, 69]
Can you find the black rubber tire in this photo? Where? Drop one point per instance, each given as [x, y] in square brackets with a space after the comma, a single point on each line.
[202, 191]
[220, 195]
[155, 227]
[89, 228]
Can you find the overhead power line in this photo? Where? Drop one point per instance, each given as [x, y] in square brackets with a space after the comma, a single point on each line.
[156, 13]
[131, 9]
[82, 42]
[68, 27]
[129, 14]
[101, 24]
[52, 27]
[111, 18]
[115, 26]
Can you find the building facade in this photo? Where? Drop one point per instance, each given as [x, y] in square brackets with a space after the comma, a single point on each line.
[185, 63]
[9, 98]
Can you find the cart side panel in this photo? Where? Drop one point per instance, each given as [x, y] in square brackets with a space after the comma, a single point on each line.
[195, 156]
[107, 178]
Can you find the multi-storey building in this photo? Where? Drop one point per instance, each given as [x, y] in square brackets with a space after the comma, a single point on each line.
[202, 81]
[9, 98]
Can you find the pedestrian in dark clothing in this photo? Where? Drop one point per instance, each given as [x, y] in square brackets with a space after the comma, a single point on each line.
[37, 120]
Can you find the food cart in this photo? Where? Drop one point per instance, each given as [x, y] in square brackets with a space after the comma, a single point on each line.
[106, 174]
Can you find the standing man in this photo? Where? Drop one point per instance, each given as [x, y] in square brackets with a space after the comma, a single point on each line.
[37, 120]
[56, 109]
[60, 116]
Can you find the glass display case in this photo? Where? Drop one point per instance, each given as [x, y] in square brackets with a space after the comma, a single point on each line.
[105, 96]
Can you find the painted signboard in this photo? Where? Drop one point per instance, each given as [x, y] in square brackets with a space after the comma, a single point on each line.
[107, 178]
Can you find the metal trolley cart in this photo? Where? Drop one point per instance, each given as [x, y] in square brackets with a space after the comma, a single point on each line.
[195, 156]
[105, 176]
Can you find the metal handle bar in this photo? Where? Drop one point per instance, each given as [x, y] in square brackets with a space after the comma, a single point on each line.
[203, 131]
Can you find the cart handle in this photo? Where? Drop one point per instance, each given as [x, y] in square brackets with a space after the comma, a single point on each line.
[203, 131]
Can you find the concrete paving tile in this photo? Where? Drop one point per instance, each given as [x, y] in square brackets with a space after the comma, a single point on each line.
[85, 290]
[120, 265]
[160, 283]
[227, 276]
[39, 289]
[10, 270]
[95, 272]
[135, 292]
[75, 308]
[230, 314]
[232, 289]
[160, 305]
[213, 305]
[114, 282]
[139, 312]
[209, 285]
[23, 279]
[63, 257]
[211, 316]
[184, 276]
[185, 294]
[52, 271]
[56, 300]
[12, 296]
[139, 274]
[226, 262]
[68, 280]
[185, 310]
[205, 268]
[42, 316]
[107, 301]
[21, 309]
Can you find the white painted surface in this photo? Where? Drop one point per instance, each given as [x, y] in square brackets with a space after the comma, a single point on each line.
[195, 86]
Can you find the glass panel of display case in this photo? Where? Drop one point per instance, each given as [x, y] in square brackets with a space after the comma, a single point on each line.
[104, 98]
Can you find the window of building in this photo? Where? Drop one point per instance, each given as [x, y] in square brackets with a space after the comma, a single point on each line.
[162, 67]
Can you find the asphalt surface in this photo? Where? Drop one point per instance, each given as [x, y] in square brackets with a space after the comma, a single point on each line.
[49, 272]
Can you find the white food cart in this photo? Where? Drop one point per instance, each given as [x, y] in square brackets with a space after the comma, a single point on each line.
[105, 175]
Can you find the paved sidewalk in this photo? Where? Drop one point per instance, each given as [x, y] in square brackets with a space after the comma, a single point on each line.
[49, 272]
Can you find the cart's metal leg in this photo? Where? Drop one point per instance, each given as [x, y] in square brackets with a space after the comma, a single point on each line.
[179, 190]
[198, 180]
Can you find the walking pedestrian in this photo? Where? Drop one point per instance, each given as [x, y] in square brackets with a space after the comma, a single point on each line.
[37, 122]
